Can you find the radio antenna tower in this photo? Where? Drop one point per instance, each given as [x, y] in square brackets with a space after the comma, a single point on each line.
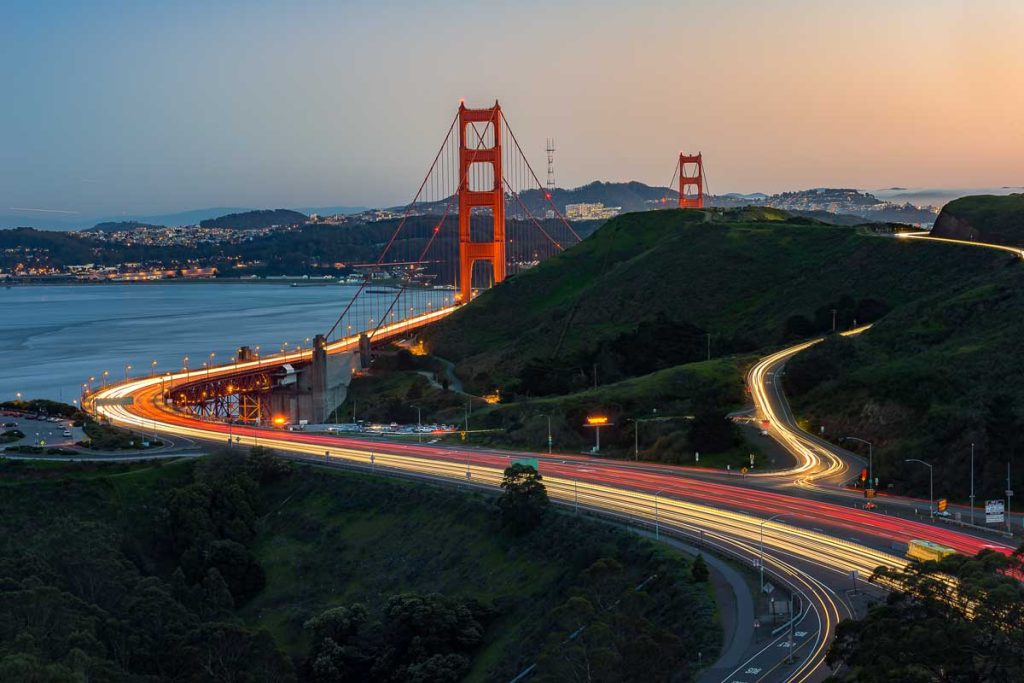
[551, 165]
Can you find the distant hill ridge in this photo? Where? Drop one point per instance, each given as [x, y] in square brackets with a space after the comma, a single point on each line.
[122, 226]
[262, 218]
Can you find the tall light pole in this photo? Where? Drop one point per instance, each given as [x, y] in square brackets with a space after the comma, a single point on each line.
[106, 373]
[931, 486]
[126, 369]
[657, 527]
[152, 368]
[636, 431]
[549, 432]
[184, 363]
[419, 424]
[972, 482]
[871, 458]
[760, 561]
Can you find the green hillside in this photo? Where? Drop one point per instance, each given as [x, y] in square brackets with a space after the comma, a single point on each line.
[983, 218]
[238, 567]
[926, 381]
[646, 289]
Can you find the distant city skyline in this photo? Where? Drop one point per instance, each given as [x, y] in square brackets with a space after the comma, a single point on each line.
[122, 108]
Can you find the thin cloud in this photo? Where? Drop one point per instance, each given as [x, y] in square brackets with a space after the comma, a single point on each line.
[22, 208]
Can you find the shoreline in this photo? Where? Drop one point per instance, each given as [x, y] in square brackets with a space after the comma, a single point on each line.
[179, 281]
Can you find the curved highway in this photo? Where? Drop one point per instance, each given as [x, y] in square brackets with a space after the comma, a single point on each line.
[812, 546]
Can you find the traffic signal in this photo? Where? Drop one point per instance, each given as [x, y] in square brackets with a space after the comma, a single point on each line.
[942, 504]
[864, 475]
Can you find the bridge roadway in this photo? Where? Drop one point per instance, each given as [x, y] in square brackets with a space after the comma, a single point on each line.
[812, 549]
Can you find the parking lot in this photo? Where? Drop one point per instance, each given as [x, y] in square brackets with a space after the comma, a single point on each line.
[40, 430]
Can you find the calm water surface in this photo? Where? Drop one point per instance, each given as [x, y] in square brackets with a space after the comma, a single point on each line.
[53, 338]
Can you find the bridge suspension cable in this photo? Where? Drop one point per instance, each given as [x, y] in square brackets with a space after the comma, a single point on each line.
[427, 263]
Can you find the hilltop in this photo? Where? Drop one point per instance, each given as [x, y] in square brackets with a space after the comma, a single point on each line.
[122, 226]
[644, 292]
[262, 218]
[983, 218]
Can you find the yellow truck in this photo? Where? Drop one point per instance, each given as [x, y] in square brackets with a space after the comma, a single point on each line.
[923, 551]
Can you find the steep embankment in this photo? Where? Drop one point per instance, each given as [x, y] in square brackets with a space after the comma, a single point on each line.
[646, 289]
[928, 380]
[983, 218]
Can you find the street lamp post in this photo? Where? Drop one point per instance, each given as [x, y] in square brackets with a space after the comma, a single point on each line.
[760, 561]
[419, 424]
[871, 458]
[126, 369]
[152, 367]
[931, 486]
[636, 431]
[549, 432]
[972, 482]
[657, 525]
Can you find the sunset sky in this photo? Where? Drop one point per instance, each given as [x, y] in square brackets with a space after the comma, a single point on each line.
[140, 107]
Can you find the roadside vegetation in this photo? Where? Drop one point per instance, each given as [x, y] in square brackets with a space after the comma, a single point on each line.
[926, 382]
[100, 436]
[245, 567]
[958, 619]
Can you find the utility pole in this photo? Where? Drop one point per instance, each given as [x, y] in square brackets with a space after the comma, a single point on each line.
[709, 345]
[833, 320]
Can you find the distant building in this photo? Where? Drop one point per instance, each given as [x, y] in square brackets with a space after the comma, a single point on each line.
[595, 211]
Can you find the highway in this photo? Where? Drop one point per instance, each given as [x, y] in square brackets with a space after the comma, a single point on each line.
[812, 548]
[817, 545]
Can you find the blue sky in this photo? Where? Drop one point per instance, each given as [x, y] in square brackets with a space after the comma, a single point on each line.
[147, 107]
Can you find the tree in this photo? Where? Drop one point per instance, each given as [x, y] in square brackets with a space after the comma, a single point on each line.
[524, 499]
[954, 620]
[699, 571]
[713, 432]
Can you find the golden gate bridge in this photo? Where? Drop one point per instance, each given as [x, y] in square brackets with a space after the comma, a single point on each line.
[467, 228]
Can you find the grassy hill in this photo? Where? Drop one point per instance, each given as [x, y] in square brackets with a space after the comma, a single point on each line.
[213, 570]
[926, 381]
[646, 289]
[983, 218]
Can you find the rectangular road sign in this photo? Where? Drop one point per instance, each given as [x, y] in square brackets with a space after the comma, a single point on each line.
[995, 511]
[119, 401]
[527, 462]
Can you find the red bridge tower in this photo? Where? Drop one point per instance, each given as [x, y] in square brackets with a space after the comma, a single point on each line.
[691, 175]
[481, 186]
